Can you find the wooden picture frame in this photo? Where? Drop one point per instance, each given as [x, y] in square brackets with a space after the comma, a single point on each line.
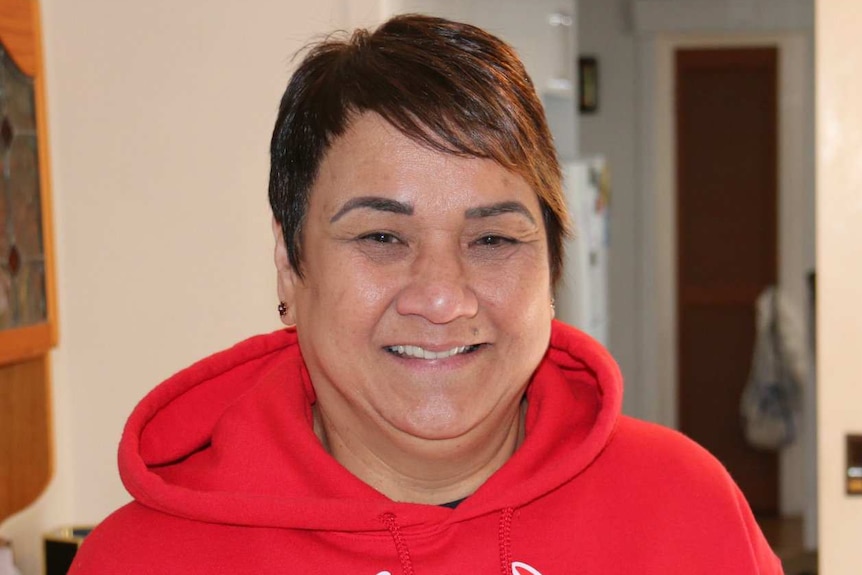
[20, 34]
[588, 84]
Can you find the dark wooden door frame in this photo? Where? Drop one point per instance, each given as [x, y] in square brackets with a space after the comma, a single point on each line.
[739, 295]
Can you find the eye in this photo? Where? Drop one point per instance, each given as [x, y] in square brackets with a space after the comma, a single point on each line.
[491, 240]
[381, 238]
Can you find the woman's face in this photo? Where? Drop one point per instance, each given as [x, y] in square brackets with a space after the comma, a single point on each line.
[424, 305]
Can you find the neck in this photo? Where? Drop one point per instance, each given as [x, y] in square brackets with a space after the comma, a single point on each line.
[423, 471]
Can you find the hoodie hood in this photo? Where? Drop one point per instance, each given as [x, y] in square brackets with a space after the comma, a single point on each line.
[230, 441]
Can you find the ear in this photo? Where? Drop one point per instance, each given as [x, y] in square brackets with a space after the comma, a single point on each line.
[286, 278]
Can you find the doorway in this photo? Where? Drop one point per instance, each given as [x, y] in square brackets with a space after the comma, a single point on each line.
[727, 235]
[667, 29]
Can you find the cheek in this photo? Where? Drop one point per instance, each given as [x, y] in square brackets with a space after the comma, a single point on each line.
[522, 308]
[348, 291]
[372, 291]
[518, 289]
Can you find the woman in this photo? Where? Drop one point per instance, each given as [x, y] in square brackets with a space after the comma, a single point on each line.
[425, 414]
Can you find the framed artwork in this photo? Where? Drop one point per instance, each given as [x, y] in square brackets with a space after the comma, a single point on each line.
[27, 314]
[588, 84]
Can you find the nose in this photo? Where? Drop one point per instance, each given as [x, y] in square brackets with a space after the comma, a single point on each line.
[438, 288]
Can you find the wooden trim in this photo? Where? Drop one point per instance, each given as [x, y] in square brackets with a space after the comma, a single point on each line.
[19, 34]
[26, 446]
[25, 343]
[45, 184]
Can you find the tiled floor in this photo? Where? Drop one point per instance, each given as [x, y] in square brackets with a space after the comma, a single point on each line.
[785, 536]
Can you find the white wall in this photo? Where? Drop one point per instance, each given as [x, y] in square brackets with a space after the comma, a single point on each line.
[605, 32]
[839, 258]
[160, 114]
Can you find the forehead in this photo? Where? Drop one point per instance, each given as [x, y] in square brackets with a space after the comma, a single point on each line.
[373, 158]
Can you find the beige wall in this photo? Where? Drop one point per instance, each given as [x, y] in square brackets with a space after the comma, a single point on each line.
[160, 114]
[839, 257]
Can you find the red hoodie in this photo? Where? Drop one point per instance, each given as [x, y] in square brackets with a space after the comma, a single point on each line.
[228, 477]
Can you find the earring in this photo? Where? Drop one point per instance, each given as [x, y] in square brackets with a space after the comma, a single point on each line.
[282, 309]
[553, 309]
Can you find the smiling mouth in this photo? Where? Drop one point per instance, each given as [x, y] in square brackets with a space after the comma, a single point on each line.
[416, 352]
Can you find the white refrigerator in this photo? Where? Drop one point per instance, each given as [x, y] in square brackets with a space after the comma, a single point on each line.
[582, 296]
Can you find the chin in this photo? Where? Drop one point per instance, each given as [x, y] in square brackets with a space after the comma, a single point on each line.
[432, 422]
[437, 421]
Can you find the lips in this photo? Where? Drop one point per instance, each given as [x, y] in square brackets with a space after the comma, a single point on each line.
[416, 352]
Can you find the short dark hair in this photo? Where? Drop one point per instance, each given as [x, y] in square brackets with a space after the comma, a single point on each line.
[449, 86]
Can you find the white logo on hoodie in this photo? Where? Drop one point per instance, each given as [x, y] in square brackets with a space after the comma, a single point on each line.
[518, 568]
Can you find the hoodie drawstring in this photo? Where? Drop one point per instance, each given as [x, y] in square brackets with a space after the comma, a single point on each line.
[504, 536]
[388, 519]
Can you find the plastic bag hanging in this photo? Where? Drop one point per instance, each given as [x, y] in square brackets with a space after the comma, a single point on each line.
[770, 400]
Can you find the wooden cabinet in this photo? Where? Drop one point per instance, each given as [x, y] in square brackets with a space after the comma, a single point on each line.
[28, 326]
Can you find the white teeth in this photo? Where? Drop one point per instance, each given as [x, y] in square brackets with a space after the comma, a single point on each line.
[421, 353]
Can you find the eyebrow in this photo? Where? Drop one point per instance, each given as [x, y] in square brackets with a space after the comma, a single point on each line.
[396, 207]
[373, 203]
[499, 208]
